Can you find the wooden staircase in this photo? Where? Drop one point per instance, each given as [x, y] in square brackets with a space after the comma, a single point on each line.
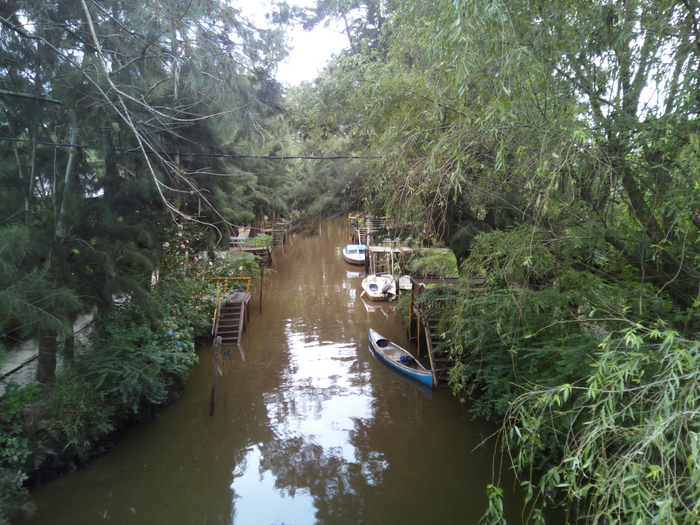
[361, 235]
[232, 319]
[382, 263]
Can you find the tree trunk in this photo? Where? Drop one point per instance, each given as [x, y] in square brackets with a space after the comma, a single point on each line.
[32, 178]
[67, 186]
[46, 362]
[69, 347]
[258, 227]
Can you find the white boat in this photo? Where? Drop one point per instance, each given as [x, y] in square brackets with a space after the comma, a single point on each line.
[354, 253]
[379, 287]
[399, 358]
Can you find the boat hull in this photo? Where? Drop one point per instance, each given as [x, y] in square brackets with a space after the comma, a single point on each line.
[398, 358]
[348, 259]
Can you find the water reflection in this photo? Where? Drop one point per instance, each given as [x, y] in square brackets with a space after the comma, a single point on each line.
[258, 501]
[323, 395]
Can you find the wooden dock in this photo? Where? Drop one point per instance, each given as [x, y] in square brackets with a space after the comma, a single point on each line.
[362, 226]
[260, 246]
[383, 259]
[423, 323]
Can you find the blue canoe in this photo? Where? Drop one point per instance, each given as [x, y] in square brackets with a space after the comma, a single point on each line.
[399, 358]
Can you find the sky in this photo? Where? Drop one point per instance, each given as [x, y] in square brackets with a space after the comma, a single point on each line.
[310, 50]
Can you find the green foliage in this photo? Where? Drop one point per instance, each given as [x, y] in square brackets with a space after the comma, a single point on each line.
[547, 304]
[131, 362]
[14, 448]
[433, 264]
[129, 367]
[29, 297]
[632, 454]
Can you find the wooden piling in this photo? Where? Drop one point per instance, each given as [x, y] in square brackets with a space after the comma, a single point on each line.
[262, 274]
[217, 351]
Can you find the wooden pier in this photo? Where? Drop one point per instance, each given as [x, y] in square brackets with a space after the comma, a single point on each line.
[423, 322]
[260, 246]
[277, 230]
[362, 226]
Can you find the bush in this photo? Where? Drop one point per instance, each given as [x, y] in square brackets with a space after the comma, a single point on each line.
[434, 264]
[131, 363]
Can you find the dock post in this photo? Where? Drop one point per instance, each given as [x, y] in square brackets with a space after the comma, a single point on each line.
[262, 274]
[217, 351]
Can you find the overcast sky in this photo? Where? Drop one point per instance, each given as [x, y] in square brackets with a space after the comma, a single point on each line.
[310, 50]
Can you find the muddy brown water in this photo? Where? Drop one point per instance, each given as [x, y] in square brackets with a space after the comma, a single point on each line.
[309, 428]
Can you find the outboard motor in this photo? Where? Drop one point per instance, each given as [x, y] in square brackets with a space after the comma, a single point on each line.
[386, 293]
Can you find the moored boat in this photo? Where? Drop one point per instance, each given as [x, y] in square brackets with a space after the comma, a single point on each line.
[354, 253]
[399, 358]
[379, 287]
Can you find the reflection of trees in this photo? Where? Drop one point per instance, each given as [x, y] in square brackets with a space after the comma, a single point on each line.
[338, 487]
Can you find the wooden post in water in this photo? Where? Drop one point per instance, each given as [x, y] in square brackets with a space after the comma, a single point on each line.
[262, 274]
[217, 351]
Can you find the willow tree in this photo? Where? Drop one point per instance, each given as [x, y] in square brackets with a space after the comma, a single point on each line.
[555, 147]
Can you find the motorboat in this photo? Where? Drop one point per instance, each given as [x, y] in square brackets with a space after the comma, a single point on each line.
[379, 287]
[354, 253]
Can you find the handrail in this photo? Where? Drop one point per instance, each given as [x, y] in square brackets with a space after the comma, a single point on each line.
[430, 356]
[247, 288]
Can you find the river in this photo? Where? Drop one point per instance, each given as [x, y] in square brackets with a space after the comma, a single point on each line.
[309, 428]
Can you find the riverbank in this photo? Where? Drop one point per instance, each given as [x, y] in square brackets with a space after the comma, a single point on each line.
[133, 362]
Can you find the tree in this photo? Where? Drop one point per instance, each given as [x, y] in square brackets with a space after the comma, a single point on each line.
[554, 146]
[129, 91]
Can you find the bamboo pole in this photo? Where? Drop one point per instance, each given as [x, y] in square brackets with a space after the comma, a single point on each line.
[418, 331]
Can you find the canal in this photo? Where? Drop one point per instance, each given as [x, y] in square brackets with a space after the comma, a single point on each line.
[309, 428]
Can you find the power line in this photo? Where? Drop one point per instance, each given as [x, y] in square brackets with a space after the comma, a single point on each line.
[191, 154]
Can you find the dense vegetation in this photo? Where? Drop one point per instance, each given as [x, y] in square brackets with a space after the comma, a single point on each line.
[111, 118]
[554, 146]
